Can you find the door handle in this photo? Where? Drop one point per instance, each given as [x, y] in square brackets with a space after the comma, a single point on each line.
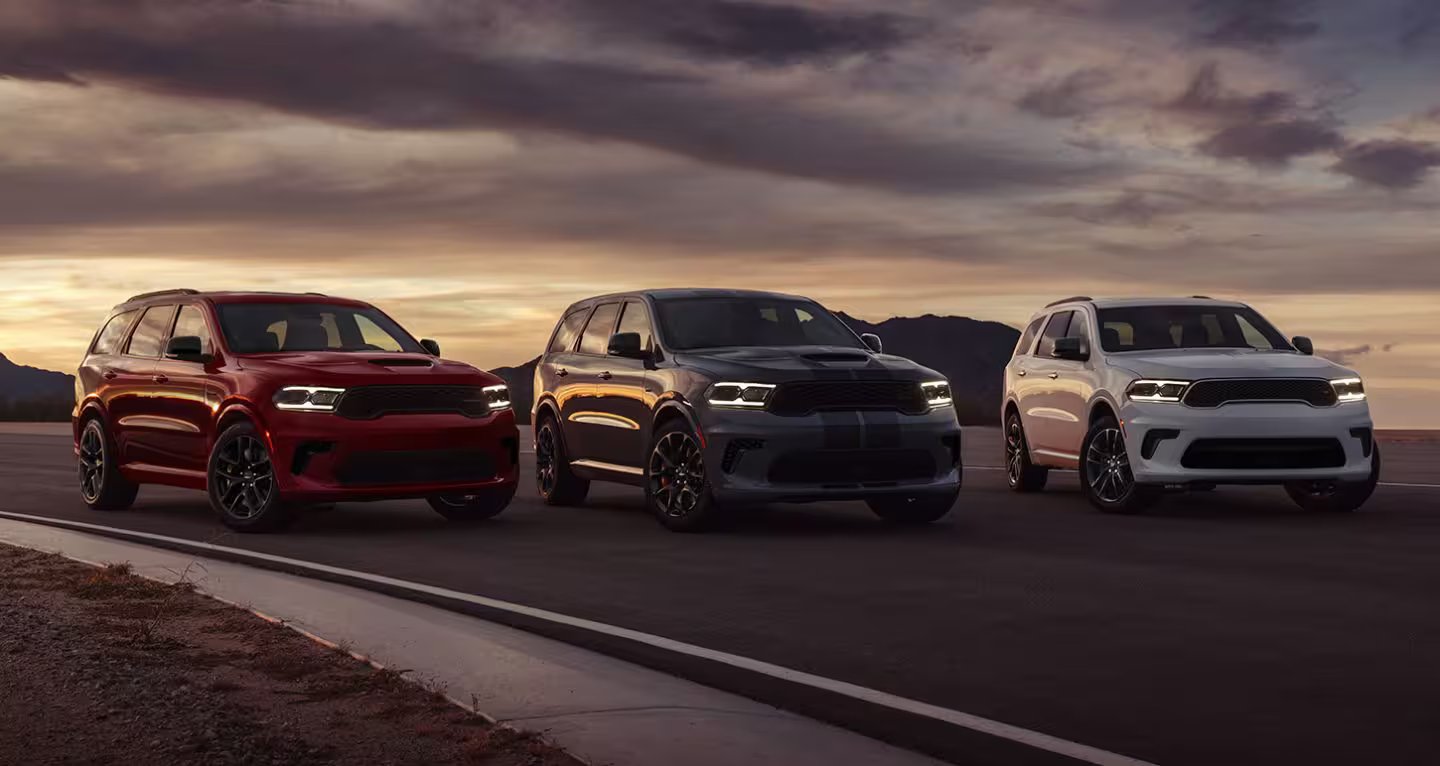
[606, 375]
[160, 378]
[1054, 375]
[562, 372]
[109, 374]
[1021, 373]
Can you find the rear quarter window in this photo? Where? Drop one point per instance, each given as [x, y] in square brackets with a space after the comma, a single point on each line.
[113, 333]
[567, 331]
[1028, 337]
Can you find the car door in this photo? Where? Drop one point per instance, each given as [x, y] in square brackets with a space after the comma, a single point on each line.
[621, 402]
[585, 423]
[139, 421]
[1040, 403]
[1073, 383]
[185, 397]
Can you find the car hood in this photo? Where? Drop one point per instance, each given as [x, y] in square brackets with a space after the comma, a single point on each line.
[765, 364]
[348, 369]
[1192, 364]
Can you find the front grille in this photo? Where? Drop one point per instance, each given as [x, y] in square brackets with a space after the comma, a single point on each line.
[849, 395]
[1263, 454]
[362, 469]
[852, 467]
[1214, 393]
[371, 402]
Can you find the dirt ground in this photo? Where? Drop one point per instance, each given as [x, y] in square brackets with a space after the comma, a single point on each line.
[99, 666]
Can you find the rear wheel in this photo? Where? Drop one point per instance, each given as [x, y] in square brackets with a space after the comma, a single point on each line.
[475, 506]
[102, 486]
[554, 480]
[1020, 473]
[1335, 497]
[242, 485]
[1105, 471]
[676, 488]
[913, 509]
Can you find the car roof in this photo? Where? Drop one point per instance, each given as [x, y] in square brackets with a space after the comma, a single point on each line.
[1110, 303]
[237, 296]
[667, 293]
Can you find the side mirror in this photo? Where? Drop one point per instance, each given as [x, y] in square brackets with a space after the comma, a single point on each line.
[626, 344]
[1303, 345]
[431, 347]
[1074, 349]
[873, 341]
[186, 348]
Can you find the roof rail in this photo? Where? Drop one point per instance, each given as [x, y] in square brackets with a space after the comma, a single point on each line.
[177, 291]
[1071, 299]
[1203, 297]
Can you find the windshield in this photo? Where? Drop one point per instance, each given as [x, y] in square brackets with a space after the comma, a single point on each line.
[1146, 328]
[259, 328]
[690, 323]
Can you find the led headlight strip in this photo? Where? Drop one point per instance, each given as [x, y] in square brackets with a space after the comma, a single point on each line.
[1349, 389]
[1168, 391]
[937, 393]
[741, 395]
[307, 398]
[497, 397]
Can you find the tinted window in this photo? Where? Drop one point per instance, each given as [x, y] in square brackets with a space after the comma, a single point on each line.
[689, 323]
[1144, 328]
[1056, 329]
[191, 322]
[108, 341]
[597, 333]
[1079, 327]
[568, 331]
[635, 319]
[149, 337]
[258, 328]
[1023, 347]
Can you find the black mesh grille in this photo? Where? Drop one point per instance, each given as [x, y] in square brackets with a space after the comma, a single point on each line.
[415, 467]
[851, 467]
[1264, 454]
[370, 402]
[821, 395]
[1213, 393]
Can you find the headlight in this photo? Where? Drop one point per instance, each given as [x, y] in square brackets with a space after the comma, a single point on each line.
[307, 398]
[751, 396]
[1157, 390]
[937, 393]
[497, 397]
[1349, 389]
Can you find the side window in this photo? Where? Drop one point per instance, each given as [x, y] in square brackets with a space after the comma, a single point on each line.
[636, 320]
[568, 331]
[109, 339]
[1056, 329]
[1023, 347]
[191, 322]
[596, 339]
[149, 337]
[1079, 327]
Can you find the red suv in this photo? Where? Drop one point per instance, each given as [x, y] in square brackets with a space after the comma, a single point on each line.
[271, 401]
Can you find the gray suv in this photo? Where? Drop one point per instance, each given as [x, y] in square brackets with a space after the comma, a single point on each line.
[712, 398]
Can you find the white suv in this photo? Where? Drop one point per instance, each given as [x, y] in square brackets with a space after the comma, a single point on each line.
[1145, 395]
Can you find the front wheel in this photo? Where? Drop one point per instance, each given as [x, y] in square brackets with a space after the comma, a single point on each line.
[677, 491]
[1330, 497]
[242, 485]
[913, 509]
[476, 506]
[102, 486]
[1108, 480]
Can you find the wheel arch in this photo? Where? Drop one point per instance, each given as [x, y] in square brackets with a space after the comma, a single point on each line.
[1101, 407]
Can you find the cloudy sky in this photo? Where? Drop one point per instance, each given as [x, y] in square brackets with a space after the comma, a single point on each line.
[475, 165]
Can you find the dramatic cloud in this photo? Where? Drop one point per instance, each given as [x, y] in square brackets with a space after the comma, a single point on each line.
[1394, 164]
[1273, 144]
[1260, 24]
[1072, 96]
[1207, 98]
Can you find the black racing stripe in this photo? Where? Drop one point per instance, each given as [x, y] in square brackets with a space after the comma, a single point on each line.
[882, 429]
[843, 430]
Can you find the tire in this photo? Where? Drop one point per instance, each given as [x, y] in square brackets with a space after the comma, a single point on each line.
[554, 480]
[677, 490]
[1336, 498]
[473, 507]
[1021, 474]
[1105, 473]
[102, 486]
[242, 485]
[913, 509]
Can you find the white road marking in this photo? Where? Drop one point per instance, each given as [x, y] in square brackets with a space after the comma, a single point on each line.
[1035, 739]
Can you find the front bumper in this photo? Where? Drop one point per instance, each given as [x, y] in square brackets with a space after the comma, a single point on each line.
[1242, 423]
[758, 457]
[324, 458]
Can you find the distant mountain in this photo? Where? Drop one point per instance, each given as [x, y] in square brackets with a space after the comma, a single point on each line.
[971, 353]
[30, 393]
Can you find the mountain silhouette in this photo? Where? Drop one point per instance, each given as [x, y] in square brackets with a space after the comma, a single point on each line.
[971, 353]
[30, 393]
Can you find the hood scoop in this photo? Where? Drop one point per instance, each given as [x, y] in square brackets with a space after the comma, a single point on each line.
[836, 357]
[402, 362]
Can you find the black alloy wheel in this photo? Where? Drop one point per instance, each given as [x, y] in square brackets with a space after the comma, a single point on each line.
[102, 486]
[242, 485]
[1109, 480]
[676, 487]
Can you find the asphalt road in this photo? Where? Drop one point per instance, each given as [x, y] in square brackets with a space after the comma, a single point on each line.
[1222, 628]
